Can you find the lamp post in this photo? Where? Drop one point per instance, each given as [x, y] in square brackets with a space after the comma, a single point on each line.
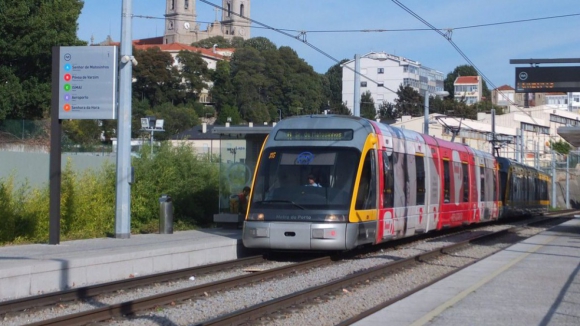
[152, 125]
[426, 105]
[279, 115]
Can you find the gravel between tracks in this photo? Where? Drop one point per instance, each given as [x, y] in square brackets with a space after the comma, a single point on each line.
[197, 310]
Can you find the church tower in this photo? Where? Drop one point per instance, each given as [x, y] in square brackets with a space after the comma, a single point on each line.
[233, 21]
[180, 21]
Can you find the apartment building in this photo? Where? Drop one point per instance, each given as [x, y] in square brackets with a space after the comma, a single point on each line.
[382, 74]
[468, 89]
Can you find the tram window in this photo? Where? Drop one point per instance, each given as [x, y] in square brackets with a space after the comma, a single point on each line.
[388, 190]
[482, 182]
[464, 170]
[420, 170]
[366, 194]
[447, 182]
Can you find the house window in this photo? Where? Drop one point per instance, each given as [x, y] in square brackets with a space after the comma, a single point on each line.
[363, 84]
[172, 4]
[381, 84]
[242, 10]
[186, 5]
[380, 70]
[229, 10]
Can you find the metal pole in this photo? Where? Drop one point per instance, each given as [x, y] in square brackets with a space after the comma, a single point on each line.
[517, 147]
[151, 143]
[493, 132]
[55, 175]
[568, 181]
[554, 204]
[356, 103]
[523, 145]
[426, 113]
[123, 195]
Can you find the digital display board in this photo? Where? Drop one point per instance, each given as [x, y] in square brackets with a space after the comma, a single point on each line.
[547, 79]
[309, 134]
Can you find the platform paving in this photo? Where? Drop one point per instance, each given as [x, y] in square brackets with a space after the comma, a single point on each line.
[534, 282]
[40, 268]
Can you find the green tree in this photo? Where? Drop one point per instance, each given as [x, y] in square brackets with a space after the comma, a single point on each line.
[156, 78]
[222, 92]
[367, 106]
[409, 102]
[177, 118]
[334, 87]
[561, 147]
[231, 113]
[220, 42]
[28, 31]
[387, 112]
[194, 72]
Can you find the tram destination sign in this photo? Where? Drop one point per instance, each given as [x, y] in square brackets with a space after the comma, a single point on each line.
[87, 82]
[547, 79]
[314, 134]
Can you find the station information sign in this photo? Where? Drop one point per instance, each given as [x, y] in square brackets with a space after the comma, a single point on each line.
[87, 82]
[547, 79]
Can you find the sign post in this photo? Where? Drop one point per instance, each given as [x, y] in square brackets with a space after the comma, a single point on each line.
[84, 86]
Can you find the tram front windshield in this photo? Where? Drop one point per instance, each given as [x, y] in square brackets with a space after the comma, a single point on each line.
[305, 178]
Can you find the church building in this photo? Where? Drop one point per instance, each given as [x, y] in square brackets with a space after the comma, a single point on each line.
[181, 24]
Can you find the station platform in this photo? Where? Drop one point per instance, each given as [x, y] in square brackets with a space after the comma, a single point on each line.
[534, 282]
[34, 269]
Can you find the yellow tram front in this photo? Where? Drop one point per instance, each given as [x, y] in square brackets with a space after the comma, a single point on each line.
[302, 192]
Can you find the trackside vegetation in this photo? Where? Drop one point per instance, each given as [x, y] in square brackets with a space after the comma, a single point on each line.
[88, 198]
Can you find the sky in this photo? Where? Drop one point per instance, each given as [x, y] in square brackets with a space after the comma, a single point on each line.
[516, 29]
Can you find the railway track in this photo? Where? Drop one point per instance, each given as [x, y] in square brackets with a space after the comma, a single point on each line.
[170, 298]
[315, 294]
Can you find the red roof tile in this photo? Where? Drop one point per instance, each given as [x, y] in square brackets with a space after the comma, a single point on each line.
[466, 80]
[505, 88]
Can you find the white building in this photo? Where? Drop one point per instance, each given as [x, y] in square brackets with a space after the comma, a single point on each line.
[537, 127]
[382, 73]
[468, 89]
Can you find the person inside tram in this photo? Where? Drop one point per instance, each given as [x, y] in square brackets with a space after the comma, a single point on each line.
[312, 181]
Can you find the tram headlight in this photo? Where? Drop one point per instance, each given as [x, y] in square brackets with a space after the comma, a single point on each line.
[335, 218]
[255, 217]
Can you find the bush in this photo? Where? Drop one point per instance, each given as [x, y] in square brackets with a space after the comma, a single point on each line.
[88, 198]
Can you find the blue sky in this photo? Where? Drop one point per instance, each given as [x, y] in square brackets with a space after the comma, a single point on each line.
[490, 48]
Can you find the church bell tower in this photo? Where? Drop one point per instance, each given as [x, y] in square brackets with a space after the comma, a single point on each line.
[180, 21]
[234, 14]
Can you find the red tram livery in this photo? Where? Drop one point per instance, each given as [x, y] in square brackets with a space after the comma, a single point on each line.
[373, 183]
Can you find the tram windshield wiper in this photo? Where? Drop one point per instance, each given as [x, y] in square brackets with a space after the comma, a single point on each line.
[282, 201]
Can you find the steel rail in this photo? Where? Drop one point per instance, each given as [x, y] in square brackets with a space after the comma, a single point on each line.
[254, 312]
[87, 292]
[133, 306]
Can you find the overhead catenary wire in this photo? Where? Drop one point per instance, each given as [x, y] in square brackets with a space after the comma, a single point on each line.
[398, 3]
[302, 37]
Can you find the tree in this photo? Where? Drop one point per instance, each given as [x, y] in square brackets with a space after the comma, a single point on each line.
[387, 111]
[409, 102]
[176, 119]
[222, 92]
[28, 31]
[156, 78]
[367, 106]
[220, 42]
[560, 146]
[194, 72]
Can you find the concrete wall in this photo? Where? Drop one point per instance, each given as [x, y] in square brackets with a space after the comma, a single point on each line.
[34, 167]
